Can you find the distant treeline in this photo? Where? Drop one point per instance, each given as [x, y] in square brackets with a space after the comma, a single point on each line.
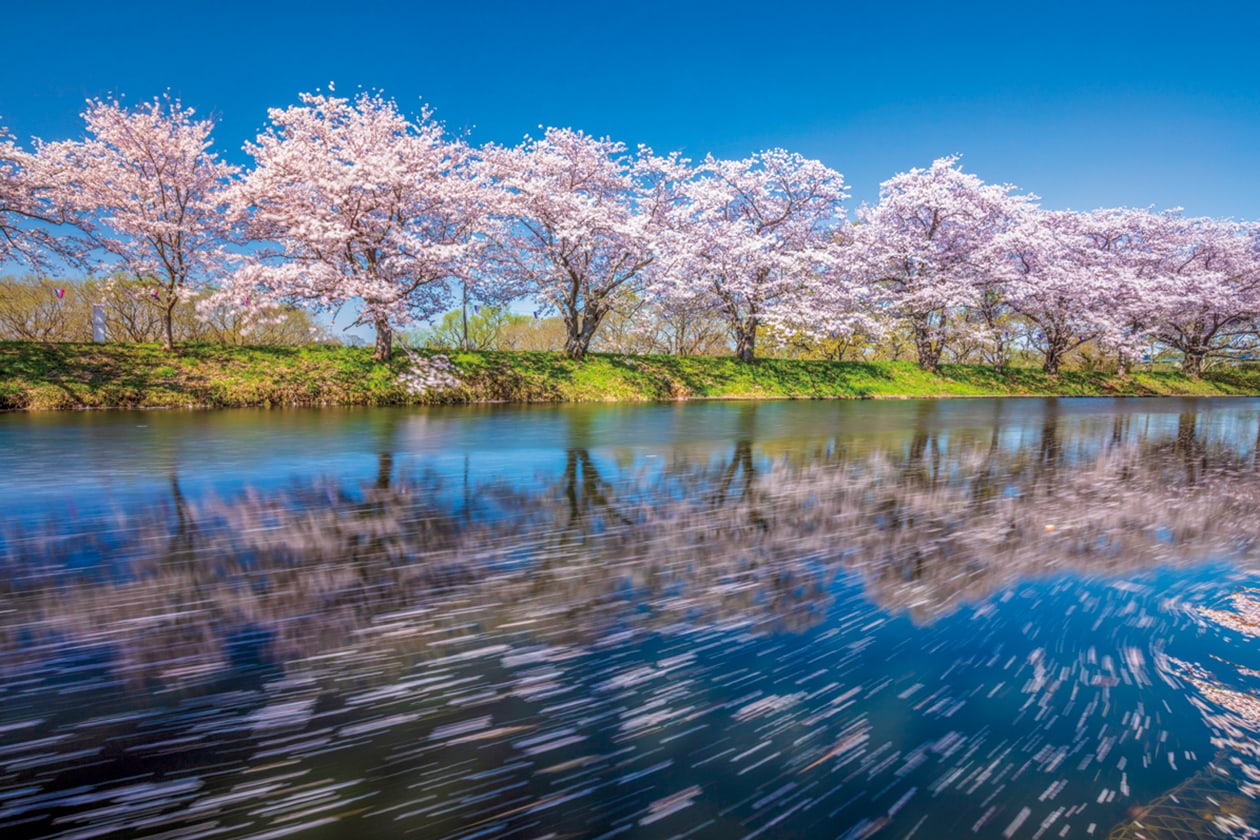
[485, 327]
[42, 309]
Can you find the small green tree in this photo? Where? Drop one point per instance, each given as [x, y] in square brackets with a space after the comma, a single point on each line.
[480, 329]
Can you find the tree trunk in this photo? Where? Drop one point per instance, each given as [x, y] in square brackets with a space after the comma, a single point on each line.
[929, 351]
[384, 341]
[168, 331]
[1192, 362]
[574, 346]
[746, 339]
[168, 319]
[581, 328]
[1055, 350]
[1194, 348]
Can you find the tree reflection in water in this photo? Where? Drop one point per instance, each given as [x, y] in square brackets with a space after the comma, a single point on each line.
[301, 599]
[752, 537]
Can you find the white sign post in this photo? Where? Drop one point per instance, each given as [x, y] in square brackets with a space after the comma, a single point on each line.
[98, 322]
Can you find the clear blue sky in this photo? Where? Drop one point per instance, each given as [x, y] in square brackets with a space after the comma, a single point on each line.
[1086, 104]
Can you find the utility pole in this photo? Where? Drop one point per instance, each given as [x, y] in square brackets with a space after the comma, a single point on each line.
[464, 285]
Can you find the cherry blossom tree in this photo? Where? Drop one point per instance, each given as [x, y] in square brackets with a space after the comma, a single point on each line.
[1061, 280]
[1206, 291]
[147, 193]
[359, 202]
[1126, 277]
[23, 206]
[582, 223]
[1120, 255]
[13, 198]
[933, 244]
[755, 241]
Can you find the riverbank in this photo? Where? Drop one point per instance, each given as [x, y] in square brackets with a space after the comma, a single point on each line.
[69, 376]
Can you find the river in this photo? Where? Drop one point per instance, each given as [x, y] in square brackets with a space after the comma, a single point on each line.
[989, 618]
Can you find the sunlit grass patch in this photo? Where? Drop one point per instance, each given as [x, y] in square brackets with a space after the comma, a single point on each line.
[64, 376]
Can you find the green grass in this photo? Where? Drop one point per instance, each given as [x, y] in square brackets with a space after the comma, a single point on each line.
[64, 376]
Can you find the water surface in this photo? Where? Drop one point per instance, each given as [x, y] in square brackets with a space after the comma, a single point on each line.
[993, 618]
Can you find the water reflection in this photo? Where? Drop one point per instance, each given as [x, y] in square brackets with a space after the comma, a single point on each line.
[992, 617]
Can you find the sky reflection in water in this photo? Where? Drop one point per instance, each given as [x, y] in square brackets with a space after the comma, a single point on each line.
[975, 618]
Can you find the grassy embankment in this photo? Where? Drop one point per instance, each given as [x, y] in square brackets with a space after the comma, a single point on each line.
[63, 376]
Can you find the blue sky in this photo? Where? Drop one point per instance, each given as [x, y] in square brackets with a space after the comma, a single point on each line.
[1085, 104]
